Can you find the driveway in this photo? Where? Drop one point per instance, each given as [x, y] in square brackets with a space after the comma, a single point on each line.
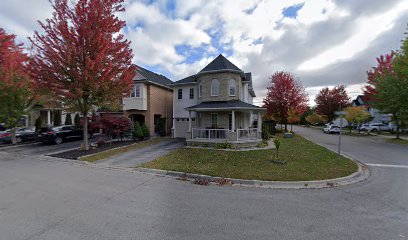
[47, 198]
[145, 154]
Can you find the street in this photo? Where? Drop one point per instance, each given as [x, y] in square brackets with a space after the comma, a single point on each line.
[49, 198]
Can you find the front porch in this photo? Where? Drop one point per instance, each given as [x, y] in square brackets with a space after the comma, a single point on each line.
[240, 126]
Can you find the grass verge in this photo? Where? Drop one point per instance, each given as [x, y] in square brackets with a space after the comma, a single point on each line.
[398, 141]
[117, 151]
[305, 161]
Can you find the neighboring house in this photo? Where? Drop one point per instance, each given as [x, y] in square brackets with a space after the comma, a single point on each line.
[215, 105]
[378, 117]
[150, 101]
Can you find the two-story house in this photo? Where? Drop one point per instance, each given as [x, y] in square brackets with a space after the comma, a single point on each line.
[150, 101]
[378, 117]
[216, 105]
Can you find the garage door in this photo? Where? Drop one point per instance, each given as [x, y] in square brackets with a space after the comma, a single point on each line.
[181, 128]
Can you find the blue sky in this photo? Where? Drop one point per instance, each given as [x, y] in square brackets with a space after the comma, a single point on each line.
[323, 42]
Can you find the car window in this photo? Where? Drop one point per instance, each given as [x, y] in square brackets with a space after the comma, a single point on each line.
[67, 128]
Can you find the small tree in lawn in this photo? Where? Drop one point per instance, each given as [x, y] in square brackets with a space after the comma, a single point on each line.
[112, 126]
[82, 57]
[357, 115]
[277, 145]
[285, 93]
[18, 93]
[68, 119]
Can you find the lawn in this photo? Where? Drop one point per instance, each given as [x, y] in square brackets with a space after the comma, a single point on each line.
[305, 161]
[398, 141]
[121, 150]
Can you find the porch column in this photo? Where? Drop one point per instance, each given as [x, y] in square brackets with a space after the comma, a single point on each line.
[189, 121]
[233, 121]
[48, 117]
[259, 123]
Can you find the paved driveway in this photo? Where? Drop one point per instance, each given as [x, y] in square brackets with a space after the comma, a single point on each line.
[146, 154]
[47, 198]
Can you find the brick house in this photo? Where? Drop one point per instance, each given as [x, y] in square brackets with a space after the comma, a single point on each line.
[216, 105]
[150, 101]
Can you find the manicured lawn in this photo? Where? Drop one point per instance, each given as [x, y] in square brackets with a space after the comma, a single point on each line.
[305, 161]
[117, 151]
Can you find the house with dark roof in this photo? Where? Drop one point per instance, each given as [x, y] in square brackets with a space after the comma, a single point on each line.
[216, 105]
[377, 116]
[150, 101]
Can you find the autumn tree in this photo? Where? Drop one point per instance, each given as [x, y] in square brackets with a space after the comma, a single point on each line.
[18, 93]
[389, 83]
[357, 115]
[314, 118]
[113, 126]
[328, 101]
[293, 117]
[284, 94]
[82, 57]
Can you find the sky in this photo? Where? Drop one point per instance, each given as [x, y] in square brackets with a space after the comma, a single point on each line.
[322, 42]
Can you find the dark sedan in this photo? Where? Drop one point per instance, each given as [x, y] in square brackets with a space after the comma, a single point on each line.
[59, 134]
[22, 134]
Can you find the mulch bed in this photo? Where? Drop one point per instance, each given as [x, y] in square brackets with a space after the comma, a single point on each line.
[77, 153]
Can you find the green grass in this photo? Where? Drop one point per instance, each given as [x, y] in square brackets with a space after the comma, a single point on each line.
[305, 161]
[117, 151]
[398, 141]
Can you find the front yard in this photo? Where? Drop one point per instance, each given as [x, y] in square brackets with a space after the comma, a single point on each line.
[305, 161]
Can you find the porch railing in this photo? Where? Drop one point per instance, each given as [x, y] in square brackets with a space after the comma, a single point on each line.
[210, 133]
[248, 134]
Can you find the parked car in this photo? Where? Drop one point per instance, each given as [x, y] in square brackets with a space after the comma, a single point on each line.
[57, 135]
[377, 127]
[331, 129]
[363, 127]
[22, 134]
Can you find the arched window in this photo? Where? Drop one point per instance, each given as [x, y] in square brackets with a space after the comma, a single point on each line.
[232, 87]
[215, 85]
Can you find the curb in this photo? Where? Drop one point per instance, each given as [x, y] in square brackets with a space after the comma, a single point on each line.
[361, 175]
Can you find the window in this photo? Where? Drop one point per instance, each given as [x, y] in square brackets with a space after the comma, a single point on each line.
[136, 91]
[215, 84]
[214, 120]
[232, 87]
[191, 93]
[180, 94]
[200, 90]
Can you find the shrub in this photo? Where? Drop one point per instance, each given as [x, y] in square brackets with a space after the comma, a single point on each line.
[57, 118]
[224, 145]
[265, 134]
[137, 132]
[68, 119]
[145, 131]
[77, 120]
[38, 124]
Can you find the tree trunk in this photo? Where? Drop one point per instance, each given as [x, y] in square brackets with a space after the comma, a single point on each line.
[13, 136]
[85, 128]
[398, 126]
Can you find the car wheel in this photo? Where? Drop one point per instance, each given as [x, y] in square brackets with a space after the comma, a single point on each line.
[374, 130]
[58, 140]
[19, 139]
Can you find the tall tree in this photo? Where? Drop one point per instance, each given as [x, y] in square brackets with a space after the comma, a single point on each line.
[328, 101]
[82, 57]
[17, 90]
[285, 93]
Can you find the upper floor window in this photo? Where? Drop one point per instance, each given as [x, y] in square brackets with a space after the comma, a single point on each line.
[215, 85]
[191, 93]
[200, 90]
[136, 91]
[180, 94]
[232, 87]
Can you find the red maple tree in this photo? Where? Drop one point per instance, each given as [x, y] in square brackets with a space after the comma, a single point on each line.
[113, 126]
[18, 93]
[384, 66]
[328, 101]
[82, 57]
[285, 94]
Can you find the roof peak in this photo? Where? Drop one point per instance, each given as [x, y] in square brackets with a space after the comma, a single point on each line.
[220, 63]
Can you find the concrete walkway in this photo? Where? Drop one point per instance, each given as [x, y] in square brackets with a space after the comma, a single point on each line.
[143, 155]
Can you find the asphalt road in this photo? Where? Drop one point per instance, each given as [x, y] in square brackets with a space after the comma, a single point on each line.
[48, 198]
